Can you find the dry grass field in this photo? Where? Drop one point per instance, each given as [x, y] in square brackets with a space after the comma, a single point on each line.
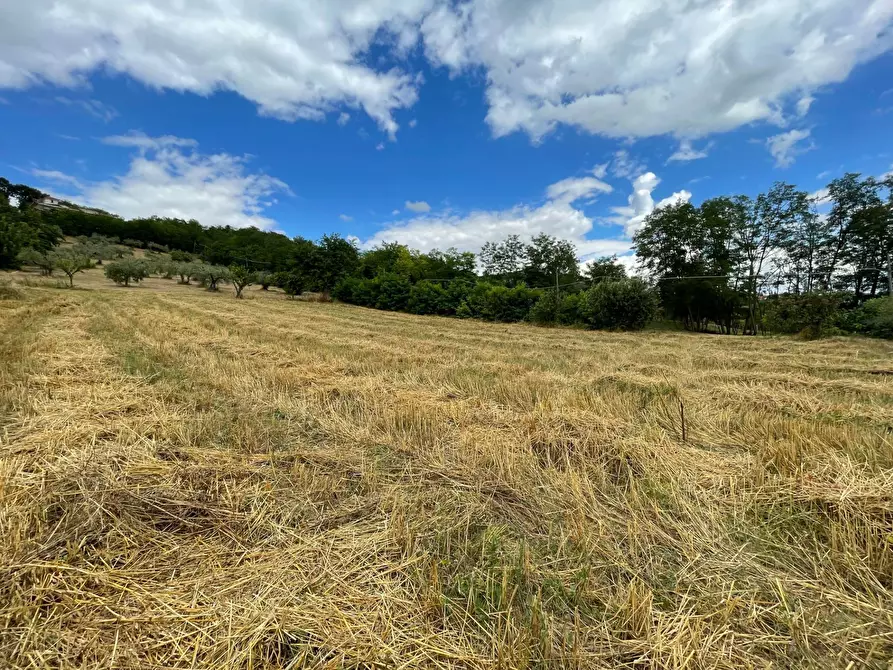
[192, 481]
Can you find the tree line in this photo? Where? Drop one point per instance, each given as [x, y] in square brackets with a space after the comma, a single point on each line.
[730, 265]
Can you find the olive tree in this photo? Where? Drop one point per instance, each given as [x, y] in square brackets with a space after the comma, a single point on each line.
[70, 261]
[126, 271]
[241, 277]
[212, 275]
[42, 260]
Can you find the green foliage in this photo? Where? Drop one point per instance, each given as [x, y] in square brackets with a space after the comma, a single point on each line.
[178, 256]
[70, 261]
[23, 228]
[186, 271]
[874, 318]
[545, 310]
[605, 268]
[810, 315]
[293, 283]
[626, 304]
[212, 275]
[391, 292]
[428, 297]
[494, 302]
[265, 279]
[126, 271]
[39, 259]
[570, 309]
[241, 277]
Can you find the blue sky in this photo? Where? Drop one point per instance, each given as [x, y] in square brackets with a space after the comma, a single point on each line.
[440, 123]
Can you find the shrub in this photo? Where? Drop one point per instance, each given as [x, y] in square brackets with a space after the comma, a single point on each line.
[426, 297]
[391, 292]
[570, 309]
[494, 302]
[625, 304]
[290, 282]
[154, 246]
[545, 311]
[874, 318]
[265, 279]
[809, 315]
[126, 271]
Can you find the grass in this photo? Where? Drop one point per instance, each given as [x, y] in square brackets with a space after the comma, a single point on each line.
[188, 480]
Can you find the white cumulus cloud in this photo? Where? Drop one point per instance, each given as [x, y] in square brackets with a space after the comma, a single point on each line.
[346, 218]
[785, 147]
[641, 203]
[168, 176]
[635, 68]
[293, 59]
[556, 216]
[620, 68]
[686, 152]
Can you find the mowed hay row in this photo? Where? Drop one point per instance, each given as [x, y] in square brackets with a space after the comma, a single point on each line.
[188, 481]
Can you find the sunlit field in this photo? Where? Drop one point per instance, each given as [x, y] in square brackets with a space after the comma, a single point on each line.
[193, 481]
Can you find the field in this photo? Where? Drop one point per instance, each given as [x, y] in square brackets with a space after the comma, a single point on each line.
[188, 480]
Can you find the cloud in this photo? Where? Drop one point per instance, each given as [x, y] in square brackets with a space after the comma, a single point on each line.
[294, 60]
[637, 68]
[619, 68]
[686, 152]
[167, 176]
[824, 174]
[786, 146]
[346, 218]
[379, 146]
[70, 138]
[803, 105]
[419, 207]
[396, 212]
[94, 108]
[57, 177]
[573, 189]
[556, 216]
[413, 123]
[140, 140]
[641, 203]
[624, 166]
[343, 118]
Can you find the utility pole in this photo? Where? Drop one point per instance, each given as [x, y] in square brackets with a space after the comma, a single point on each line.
[556, 293]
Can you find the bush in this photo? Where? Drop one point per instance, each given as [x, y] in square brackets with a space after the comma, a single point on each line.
[626, 304]
[495, 302]
[874, 318]
[545, 311]
[181, 256]
[391, 292]
[290, 282]
[426, 297]
[126, 271]
[569, 310]
[809, 315]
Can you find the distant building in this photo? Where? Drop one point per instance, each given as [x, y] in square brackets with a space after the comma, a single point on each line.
[49, 202]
